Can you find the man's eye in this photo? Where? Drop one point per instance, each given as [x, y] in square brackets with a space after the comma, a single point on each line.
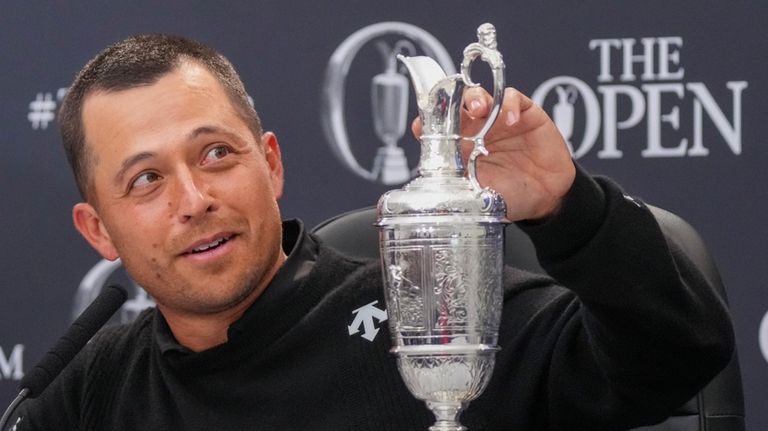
[145, 179]
[216, 153]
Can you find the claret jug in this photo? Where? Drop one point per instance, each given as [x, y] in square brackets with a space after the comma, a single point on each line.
[442, 242]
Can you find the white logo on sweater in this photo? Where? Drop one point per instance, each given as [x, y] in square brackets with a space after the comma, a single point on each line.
[364, 317]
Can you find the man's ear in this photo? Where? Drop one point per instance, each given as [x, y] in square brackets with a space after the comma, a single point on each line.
[275, 162]
[88, 223]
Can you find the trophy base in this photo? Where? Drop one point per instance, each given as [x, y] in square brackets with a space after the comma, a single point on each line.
[447, 427]
[390, 166]
[447, 415]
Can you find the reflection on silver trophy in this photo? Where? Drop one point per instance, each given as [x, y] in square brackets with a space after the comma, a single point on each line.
[441, 239]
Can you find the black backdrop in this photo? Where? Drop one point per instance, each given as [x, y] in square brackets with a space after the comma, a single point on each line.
[700, 89]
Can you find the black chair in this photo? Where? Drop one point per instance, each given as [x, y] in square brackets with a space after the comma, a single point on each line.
[718, 407]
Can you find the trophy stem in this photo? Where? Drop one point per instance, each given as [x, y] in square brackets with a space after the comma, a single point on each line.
[447, 415]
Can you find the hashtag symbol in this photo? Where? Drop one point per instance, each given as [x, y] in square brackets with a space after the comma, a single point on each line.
[41, 111]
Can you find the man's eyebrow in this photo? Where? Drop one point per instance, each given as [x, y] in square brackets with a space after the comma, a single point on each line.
[209, 129]
[203, 130]
[130, 161]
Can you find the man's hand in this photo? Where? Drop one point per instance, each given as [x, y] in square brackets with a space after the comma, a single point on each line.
[529, 163]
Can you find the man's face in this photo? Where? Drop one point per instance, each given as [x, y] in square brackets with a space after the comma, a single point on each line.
[183, 192]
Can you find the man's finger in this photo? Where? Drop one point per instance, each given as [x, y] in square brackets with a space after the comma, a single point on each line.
[416, 127]
[477, 102]
[508, 116]
[477, 106]
[510, 106]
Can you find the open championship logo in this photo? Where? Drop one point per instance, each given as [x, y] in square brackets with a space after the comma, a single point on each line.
[389, 96]
[640, 83]
[96, 280]
[658, 86]
[763, 336]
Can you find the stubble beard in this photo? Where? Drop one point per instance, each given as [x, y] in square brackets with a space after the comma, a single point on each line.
[194, 299]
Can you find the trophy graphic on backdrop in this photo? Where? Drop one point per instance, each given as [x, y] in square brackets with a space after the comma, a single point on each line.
[442, 239]
[389, 103]
[563, 112]
[389, 97]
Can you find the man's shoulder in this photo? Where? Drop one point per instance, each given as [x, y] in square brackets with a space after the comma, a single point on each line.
[99, 367]
[334, 261]
[126, 335]
[532, 290]
[344, 275]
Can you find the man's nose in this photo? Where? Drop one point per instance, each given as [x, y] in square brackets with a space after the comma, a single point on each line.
[194, 199]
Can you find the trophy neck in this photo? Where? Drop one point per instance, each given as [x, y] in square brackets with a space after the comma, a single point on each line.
[440, 111]
[440, 156]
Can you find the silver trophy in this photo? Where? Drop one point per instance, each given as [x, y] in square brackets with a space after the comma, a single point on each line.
[442, 241]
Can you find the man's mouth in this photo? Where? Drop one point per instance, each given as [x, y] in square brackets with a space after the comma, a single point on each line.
[209, 246]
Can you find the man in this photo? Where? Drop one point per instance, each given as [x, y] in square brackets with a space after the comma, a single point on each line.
[181, 183]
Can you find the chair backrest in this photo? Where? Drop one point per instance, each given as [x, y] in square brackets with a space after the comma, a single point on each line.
[718, 407]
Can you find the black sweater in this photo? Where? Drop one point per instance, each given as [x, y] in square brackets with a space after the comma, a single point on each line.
[636, 333]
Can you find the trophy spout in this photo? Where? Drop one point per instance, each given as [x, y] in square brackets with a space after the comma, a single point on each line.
[438, 96]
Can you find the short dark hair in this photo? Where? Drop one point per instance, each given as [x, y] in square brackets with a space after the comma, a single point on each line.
[133, 62]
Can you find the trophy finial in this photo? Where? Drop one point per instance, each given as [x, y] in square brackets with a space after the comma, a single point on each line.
[486, 35]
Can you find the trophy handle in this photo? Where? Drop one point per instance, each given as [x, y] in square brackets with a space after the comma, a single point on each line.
[485, 48]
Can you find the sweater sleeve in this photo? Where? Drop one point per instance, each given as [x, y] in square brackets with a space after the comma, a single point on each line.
[647, 329]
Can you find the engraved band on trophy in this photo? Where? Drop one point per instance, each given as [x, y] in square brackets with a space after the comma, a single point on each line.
[442, 242]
